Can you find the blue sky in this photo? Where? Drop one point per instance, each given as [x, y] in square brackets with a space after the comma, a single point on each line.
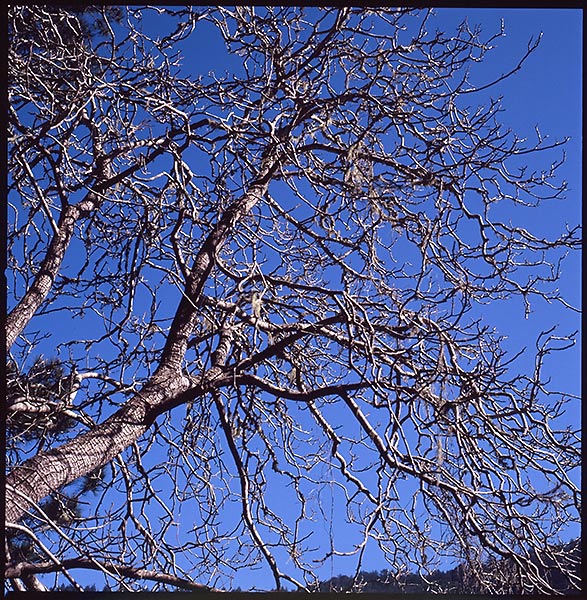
[545, 93]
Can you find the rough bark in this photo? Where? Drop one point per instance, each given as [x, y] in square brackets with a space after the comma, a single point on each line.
[325, 344]
[46, 472]
[30, 482]
[22, 313]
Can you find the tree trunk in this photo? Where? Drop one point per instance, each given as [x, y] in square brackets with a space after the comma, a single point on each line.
[37, 477]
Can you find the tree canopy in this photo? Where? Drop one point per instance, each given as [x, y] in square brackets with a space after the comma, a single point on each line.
[245, 303]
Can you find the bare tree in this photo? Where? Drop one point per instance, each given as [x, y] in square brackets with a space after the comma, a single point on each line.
[260, 288]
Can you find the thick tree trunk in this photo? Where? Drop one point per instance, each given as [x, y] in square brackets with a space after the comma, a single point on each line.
[37, 477]
[46, 472]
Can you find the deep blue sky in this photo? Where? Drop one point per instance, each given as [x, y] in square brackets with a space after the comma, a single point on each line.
[547, 93]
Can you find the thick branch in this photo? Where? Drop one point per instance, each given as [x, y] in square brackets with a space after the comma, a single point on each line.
[23, 312]
[186, 315]
[25, 568]
[46, 472]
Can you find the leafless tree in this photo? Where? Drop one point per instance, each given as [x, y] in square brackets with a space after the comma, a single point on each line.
[259, 286]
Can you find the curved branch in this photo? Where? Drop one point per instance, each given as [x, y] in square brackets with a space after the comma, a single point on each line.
[23, 569]
[22, 313]
[186, 314]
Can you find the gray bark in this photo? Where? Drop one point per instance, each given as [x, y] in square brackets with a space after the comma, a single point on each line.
[46, 472]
